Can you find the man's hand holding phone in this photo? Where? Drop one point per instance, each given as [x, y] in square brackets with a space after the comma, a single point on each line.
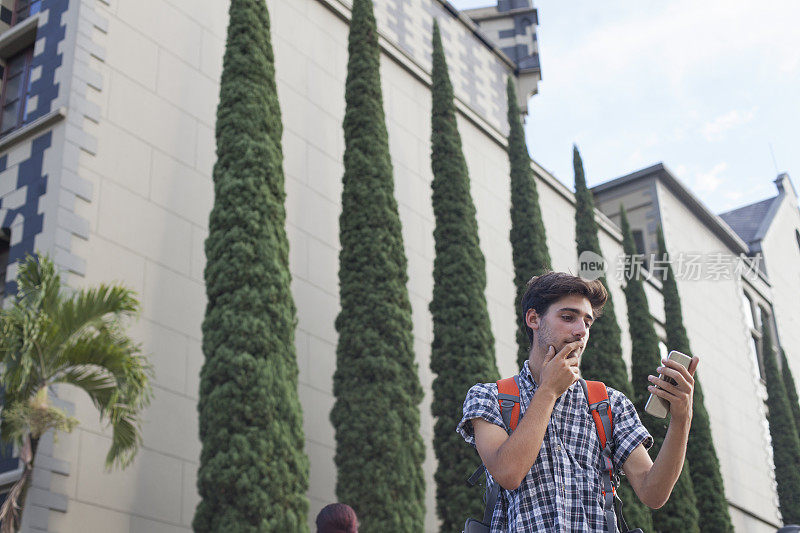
[560, 370]
[675, 385]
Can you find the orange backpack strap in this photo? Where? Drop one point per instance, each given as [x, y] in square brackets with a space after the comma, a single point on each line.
[600, 410]
[508, 396]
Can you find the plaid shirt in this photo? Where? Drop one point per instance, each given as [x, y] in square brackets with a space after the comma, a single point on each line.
[561, 492]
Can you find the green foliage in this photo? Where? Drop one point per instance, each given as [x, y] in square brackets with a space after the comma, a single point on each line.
[462, 353]
[791, 390]
[50, 336]
[700, 452]
[785, 439]
[602, 359]
[379, 450]
[680, 511]
[528, 239]
[253, 472]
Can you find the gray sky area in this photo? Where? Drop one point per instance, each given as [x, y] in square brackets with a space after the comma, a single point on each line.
[704, 86]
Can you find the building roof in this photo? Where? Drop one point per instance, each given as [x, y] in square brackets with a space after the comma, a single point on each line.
[711, 221]
[751, 222]
[747, 221]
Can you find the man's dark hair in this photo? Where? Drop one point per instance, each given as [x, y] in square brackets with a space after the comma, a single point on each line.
[543, 290]
[337, 518]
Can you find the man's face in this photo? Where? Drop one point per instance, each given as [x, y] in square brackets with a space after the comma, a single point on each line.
[568, 319]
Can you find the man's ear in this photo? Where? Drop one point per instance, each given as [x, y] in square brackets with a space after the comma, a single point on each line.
[532, 319]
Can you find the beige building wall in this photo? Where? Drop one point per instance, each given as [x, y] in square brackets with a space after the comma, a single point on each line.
[147, 216]
[714, 318]
[781, 250]
[156, 92]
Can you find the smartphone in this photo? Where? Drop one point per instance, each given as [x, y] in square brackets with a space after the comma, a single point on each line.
[659, 407]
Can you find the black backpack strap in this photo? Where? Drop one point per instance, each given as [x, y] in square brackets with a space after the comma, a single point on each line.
[491, 501]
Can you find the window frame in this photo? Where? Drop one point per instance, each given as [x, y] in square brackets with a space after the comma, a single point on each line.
[750, 302]
[24, 90]
[20, 5]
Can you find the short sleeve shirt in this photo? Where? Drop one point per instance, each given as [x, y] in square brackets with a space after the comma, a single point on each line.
[561, 492]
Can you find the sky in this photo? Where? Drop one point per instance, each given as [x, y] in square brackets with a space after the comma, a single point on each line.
[710, 88]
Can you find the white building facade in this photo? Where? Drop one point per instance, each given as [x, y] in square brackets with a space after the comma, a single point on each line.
[108, 165]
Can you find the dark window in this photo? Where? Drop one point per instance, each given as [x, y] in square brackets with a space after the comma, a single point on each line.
[797, 236]
[6, 15]
[8, 462]
[755, 353]
[24, 9]
[638, 239]
[4, 245]
[16, 89]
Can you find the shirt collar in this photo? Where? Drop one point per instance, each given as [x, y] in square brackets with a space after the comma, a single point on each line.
[527, 378]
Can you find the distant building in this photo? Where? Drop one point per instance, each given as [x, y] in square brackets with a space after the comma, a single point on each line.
[511, 25]
[107, 146]
[735, 272]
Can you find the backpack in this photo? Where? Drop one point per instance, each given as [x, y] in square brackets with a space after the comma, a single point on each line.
[600, 410]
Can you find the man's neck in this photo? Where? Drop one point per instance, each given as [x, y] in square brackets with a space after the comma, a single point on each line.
[536, 370]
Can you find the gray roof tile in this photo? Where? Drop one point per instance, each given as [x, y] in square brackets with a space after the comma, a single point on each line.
[746, 221]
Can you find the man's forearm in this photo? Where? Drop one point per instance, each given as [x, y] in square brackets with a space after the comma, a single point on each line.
[516, 456]
[661, 478]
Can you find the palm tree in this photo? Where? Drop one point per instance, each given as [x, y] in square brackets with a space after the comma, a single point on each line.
[50, 335]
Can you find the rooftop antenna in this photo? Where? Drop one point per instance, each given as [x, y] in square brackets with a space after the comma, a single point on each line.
[774, 162]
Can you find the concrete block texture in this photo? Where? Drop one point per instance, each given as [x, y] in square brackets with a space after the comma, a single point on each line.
[173, 300]
[157, 234]
[152, 119]
[131, 54]
[181, 189]
[166, 26]
[122, 158]
[169, 425]
[151, 486]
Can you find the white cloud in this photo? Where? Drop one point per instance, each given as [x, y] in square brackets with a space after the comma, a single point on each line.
[705, 182]
[714, 129]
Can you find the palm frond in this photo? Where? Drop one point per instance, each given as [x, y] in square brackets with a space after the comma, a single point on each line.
[38, 282]
[95, 380]
[126, 440]
[50, 335]
[106, 348]
[93, 309]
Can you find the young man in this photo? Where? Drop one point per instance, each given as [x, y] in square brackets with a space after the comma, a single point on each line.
[550, 466]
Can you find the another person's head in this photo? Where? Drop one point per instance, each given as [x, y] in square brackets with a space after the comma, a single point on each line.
[337, 518]
[558, 308]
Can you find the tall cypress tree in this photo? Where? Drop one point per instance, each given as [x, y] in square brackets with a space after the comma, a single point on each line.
[379, 450]
[700, 452]
[253, 473]
[680, 511]
[602, 359]
[463, 346]
[528, 239]
[791, 390]
[785, 439]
